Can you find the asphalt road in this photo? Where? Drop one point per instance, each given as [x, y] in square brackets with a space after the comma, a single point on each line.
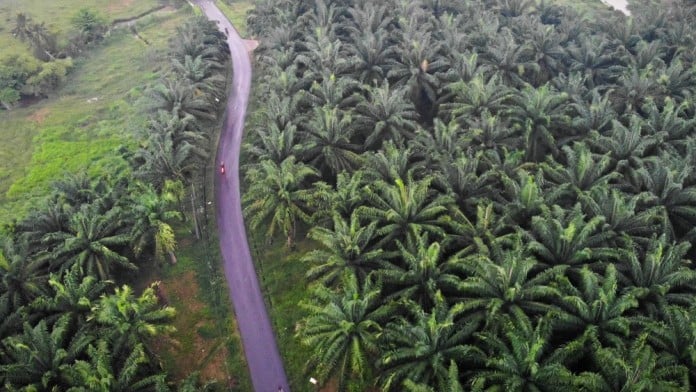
[258, 339]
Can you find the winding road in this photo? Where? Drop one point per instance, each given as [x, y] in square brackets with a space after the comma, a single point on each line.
[260, 348]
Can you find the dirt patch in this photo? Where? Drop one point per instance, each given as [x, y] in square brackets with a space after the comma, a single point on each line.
[213, 366]
[184, 290]
[251, 44]
[195, 346]
[331, 386]
[40, 115]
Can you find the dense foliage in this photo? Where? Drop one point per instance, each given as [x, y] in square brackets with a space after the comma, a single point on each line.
[504, 191]
[67, 321]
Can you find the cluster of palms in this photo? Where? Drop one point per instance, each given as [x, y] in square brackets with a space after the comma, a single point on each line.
[65, 324]
[504, 192]
[185, 104]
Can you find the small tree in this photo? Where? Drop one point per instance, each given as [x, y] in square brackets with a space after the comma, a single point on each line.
[89, 24]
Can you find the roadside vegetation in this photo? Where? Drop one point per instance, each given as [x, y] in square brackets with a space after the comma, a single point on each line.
[80, 250]
[498, 202]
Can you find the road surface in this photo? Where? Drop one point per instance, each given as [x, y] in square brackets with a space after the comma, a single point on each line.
[260, 348]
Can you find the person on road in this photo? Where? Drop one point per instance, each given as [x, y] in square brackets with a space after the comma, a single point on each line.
[222, 168]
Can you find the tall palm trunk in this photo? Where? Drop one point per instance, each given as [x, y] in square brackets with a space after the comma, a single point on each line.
[193, 211]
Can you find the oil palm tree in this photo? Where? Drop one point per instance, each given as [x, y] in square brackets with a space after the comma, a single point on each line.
[71, 293]
[11, 319]
[522, 358]
[385, 115]
[621, 215]
[668, 191]
[151, 217]
[422, 348]
[490, 132]
[369, 56]
[327, 142]
[548, 52]
[675, 336]
[180, 99]
[440, 144]
[543, 115]
[128, 320]
[635, 88]
[347, 195]
[658, 277]
[513, 8]
[332, 92]
[278, 192]
[342, 330]
[348, 249]
[406, 208]
[393, 162]
[22, 277]
[504, 282]
[634, 367]
[522, 199]
[596, 308]
[467, 100]
[104, 372]
[581, 172]
[422, 272]
[199, 74]
[466, 177]
[51, 217]
[596, 114]
[595, 57]
[201, 37]
[509, 60]
[275, 143]
[453, 382]
[669, 123]
[162, 158]
[628, 147]
[561, 237]
[95, 242]
[181, 130]
[40, 358]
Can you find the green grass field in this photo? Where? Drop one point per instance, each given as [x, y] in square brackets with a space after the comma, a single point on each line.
[236, 11]
[93, 113]
[57, 15]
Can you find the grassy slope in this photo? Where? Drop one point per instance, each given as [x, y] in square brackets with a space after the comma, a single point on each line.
[57, 15]
[88, 117]
[236, 11]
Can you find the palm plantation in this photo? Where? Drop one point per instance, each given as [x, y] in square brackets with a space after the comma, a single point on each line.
[518, 184]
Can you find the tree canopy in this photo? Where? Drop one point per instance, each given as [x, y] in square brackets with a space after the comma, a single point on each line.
[516, 177]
